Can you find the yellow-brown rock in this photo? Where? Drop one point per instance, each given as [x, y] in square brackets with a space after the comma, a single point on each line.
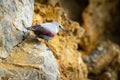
[30, 60]
[65, 47]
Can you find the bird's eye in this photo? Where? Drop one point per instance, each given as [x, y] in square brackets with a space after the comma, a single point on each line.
[60, 27]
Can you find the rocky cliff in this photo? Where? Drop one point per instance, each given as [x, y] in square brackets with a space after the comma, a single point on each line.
[22, 57]
[15, 16]
[90, 51]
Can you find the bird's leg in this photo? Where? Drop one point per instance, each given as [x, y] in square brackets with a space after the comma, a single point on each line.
[45, 42]
[41, 40]
[36, 36]
[49, 46]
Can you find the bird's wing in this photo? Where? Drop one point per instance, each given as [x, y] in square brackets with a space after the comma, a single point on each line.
[43, 31]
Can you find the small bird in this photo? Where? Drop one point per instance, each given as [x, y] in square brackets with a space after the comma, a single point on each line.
[46, 30]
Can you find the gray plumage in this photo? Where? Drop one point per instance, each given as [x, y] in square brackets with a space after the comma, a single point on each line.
[46, 30]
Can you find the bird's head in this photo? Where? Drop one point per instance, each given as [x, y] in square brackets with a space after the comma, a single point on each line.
[59, 27]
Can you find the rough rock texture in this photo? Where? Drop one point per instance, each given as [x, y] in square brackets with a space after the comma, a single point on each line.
[101, 20]
[104, 62]
[102, 17]
[102, 56]
[65, 47]
[74, 8]
[14, 18]
[30, 60]
[48, 2]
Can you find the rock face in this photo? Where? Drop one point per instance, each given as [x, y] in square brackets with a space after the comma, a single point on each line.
[15, 15]
[103, 16]
[74, 8]
[31, 60]
[28, 59]
[50, 2]
[65, 47]
[101, 20]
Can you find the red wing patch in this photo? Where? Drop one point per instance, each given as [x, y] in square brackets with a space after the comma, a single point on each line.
[44, 33]
[51, 35]
[41, 30]
[48, 34]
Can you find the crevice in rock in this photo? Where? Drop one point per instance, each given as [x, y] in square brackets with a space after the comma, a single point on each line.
[74, 9]
[118, 75]
[79, 47]
[83, 4]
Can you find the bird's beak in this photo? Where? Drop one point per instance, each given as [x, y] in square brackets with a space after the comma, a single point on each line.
[65, 31]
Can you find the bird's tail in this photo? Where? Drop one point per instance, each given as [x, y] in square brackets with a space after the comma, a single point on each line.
[30, 28]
